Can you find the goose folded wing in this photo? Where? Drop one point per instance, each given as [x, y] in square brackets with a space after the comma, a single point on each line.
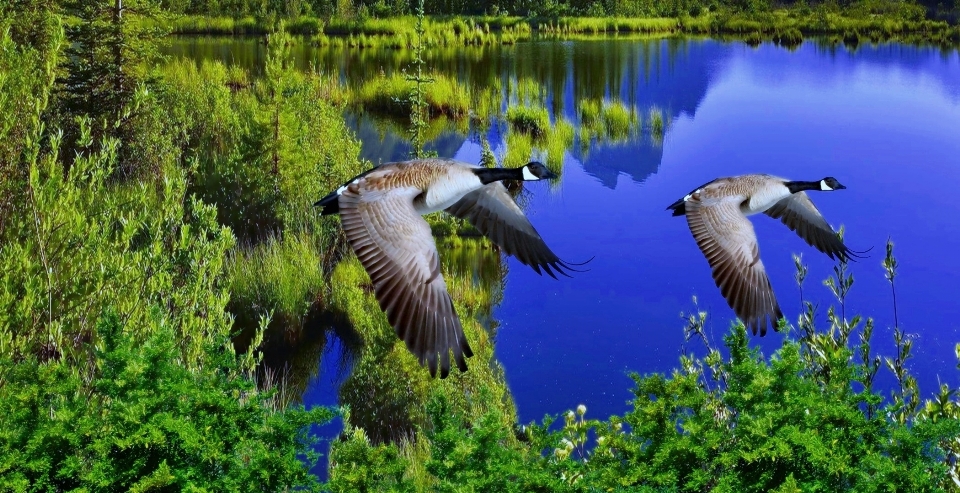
[727, 240]
[494, 213]
[799, 214]
[396, 248]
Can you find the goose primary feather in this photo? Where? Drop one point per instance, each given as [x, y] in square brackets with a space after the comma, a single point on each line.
[381, 211]
[717, 213]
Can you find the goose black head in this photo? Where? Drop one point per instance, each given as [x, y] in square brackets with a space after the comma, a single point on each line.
[830, 183]
[535, 170]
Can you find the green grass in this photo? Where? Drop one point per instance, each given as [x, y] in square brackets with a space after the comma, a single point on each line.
[282, 277]
[598, 25]
[607, 120]
[619, 120]
[876, 20]
[657, 123]
[529, 119]
[390, 94]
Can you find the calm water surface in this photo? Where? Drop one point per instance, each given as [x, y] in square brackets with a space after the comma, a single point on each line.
[884, 120]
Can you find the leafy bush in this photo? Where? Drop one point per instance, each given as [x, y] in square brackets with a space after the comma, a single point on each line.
[137, 418]
[804, 419]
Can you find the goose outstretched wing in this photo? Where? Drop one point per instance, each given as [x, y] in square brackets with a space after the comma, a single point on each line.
[799, 214]
[494, 213]
[727, 240]
[396, 248]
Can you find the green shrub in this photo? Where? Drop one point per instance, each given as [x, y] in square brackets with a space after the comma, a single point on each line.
[135, 418]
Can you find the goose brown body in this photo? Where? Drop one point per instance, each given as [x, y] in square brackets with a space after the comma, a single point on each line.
[717, 216]
[381, 216]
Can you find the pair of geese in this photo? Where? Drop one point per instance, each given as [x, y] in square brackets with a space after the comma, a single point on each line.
[380, 211]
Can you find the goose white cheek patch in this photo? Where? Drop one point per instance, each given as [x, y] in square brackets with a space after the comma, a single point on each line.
[528, 176]
[824, 186]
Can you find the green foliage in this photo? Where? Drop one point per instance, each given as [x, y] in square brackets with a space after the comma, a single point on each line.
[80, 244]
[358, 466]
[528, 119]
[280, 277]
[265, 150]
[134, 417]
[804, 419]
[390, 95]
[30, 43]
[106, 64]
[151, 396]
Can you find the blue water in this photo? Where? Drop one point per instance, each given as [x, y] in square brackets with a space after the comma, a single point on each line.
[885, 121]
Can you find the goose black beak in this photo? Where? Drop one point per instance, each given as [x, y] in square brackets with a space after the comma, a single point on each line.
[550, 175]
[839, 187]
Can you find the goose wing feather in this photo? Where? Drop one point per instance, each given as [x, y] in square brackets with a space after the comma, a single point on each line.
[799, 214]
[396, 248]
[727, 240]
[494, 213]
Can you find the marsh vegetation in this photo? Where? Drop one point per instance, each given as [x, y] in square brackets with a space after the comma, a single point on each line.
[167, 288]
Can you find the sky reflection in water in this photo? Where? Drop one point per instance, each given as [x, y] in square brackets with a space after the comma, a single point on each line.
[883, 120]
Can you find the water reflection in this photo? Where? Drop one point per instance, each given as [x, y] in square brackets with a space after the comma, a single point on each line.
[881, 117]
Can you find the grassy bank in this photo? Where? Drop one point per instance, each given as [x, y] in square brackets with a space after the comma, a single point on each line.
[899, 23]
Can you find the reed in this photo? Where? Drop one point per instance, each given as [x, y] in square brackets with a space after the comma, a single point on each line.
[389, 94]
[281, 277]
[657, 123]
[531, 120]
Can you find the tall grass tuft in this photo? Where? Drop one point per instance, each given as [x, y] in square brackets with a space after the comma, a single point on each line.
[529, 119]
[280, 277]
[657, 124]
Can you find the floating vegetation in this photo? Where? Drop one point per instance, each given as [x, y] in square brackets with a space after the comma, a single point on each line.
[519, 150]
[608, 120]
[389, 95]
[529, 119]
[619, 120]
[557, 141]
[657, 124]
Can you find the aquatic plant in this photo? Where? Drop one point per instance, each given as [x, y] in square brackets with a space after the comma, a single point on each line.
[282, 278]
[529, 119]
[657, 125]
[389, 95]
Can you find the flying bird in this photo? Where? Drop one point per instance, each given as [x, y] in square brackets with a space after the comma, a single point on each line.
[717, 216]
[380, 211]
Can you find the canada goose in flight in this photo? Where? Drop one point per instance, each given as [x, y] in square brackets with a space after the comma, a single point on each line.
[717, 215]
[381, 210]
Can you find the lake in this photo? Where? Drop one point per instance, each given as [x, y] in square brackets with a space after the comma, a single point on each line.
[883, 119]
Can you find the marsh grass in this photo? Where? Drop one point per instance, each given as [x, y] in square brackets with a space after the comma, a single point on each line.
[281, 278]
[873, 20]
[400, 32]
[598, 25]
[657, 123]
[529, 119]
[609, 121]
[388, 94]
[556, 143]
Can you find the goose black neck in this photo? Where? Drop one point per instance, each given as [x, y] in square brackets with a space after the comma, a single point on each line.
[799, 186]
[490, 175]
